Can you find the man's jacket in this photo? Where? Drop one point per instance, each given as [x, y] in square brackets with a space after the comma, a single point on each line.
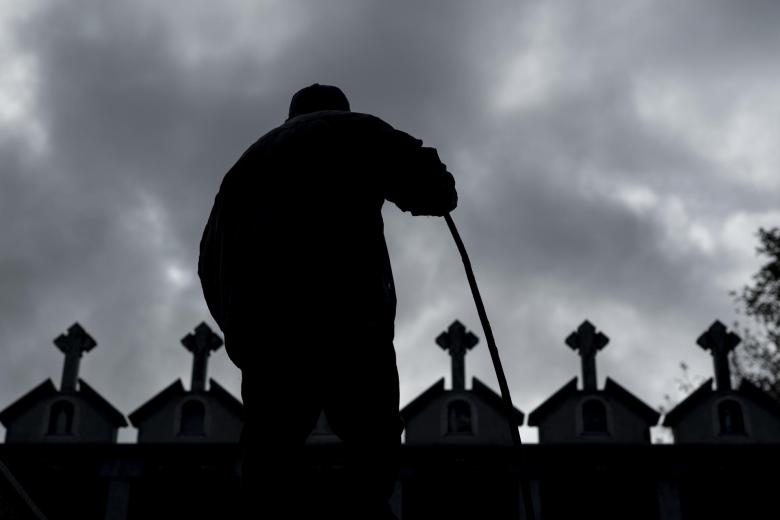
[295, 240]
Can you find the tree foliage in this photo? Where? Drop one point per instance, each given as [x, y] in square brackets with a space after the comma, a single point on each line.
[757, 359]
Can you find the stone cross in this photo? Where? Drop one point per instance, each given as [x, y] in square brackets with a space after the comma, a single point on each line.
[73, 345]
[587, 342]
[201, 344]
[719, 342]
[458, 342]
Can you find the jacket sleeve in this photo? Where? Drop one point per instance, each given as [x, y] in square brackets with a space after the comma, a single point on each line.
[414, 177]
[210, 263]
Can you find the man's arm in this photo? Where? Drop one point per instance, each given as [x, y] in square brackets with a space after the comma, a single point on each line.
[210, 263]
[414, 177]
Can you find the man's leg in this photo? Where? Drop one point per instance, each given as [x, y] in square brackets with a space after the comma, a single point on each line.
[279, 415]
[362, 408]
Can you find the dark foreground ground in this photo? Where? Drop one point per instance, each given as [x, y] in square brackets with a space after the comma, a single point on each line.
[190, 481]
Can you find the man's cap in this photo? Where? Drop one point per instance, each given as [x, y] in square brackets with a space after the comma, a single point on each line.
[317, 97]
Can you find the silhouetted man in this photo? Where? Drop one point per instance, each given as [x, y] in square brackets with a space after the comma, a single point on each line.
[295, 271]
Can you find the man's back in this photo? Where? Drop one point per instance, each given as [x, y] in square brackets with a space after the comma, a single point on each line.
[300, 222]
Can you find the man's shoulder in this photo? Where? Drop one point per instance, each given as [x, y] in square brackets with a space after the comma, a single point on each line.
[335, 118]
[328, 120]
[311, 128]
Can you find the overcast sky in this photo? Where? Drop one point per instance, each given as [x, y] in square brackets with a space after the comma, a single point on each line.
[613, 159]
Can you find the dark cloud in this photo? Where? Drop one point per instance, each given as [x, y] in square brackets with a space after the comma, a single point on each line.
[609, 160]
